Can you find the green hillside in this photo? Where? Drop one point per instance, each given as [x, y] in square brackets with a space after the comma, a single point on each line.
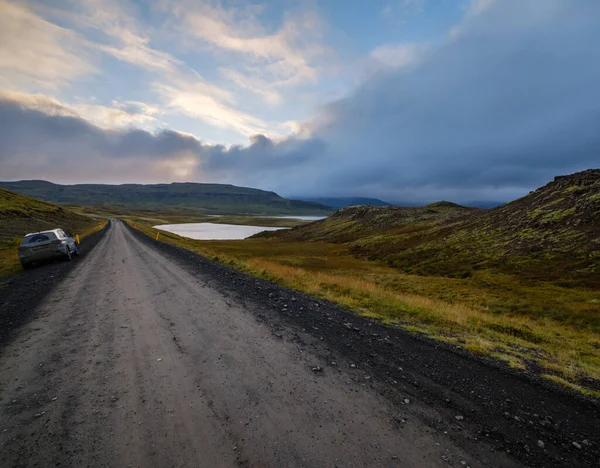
[551, 234]
[20, 214]
[377, 222]
[207, 198]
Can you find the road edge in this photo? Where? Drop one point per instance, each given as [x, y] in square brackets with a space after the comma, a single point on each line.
[22, 292]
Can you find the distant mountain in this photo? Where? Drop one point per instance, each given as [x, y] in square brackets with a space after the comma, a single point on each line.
[208, 198]
[337, 203]
[551, 234]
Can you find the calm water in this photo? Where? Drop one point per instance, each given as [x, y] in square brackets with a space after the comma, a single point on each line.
[212, 231]
[304, 218]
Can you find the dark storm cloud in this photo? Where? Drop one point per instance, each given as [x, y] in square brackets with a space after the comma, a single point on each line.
[264, 154]
[510, 100]
[57, 134]
[505, 104]
[48, 141]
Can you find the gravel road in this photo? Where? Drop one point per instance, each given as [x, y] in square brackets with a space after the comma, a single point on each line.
[146, 356]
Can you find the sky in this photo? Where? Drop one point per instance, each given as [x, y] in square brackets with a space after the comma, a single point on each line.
[405, 100]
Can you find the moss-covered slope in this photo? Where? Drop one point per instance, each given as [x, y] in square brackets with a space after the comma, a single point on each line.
[20, 214]
[551, 234]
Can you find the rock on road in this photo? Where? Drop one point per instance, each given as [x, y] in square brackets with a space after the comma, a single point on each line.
[136, 360]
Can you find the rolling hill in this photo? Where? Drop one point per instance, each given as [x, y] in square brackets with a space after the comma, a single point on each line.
[208, 198]
[20, 214]
[551, 234]
[357, 222]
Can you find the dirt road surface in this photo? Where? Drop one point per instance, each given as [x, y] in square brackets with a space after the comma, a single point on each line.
[138, 358]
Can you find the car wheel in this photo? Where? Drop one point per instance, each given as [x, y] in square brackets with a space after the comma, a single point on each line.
[76, 251]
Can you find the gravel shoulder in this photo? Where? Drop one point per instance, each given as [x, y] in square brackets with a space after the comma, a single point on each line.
[143, 354]
[22, 292]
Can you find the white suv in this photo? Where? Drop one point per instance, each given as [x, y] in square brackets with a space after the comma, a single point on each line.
[46, 245]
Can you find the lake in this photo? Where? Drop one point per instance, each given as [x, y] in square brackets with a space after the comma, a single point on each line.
[303, 218]
[212, 231]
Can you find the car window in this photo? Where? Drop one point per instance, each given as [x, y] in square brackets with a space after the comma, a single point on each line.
[61, 233]
[35, 238]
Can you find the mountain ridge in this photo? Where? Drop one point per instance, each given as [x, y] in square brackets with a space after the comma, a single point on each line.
[208, 198]
[343, 202]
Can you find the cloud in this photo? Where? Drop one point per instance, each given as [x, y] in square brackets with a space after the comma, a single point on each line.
[120, 114]
[255, 85]
[42, 139]
[122, 36]
[281, 57]
[267, 61]
[36, 53]
[492, 112]
[398, 55]
[179, 89]
[198, 99]
[135, 50]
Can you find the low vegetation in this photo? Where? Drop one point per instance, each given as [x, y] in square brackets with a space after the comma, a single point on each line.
[506, 283]
[20, 214]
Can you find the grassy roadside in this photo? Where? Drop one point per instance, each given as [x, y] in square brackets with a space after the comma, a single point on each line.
[20, 214]
[9, 260]
[542, 327]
